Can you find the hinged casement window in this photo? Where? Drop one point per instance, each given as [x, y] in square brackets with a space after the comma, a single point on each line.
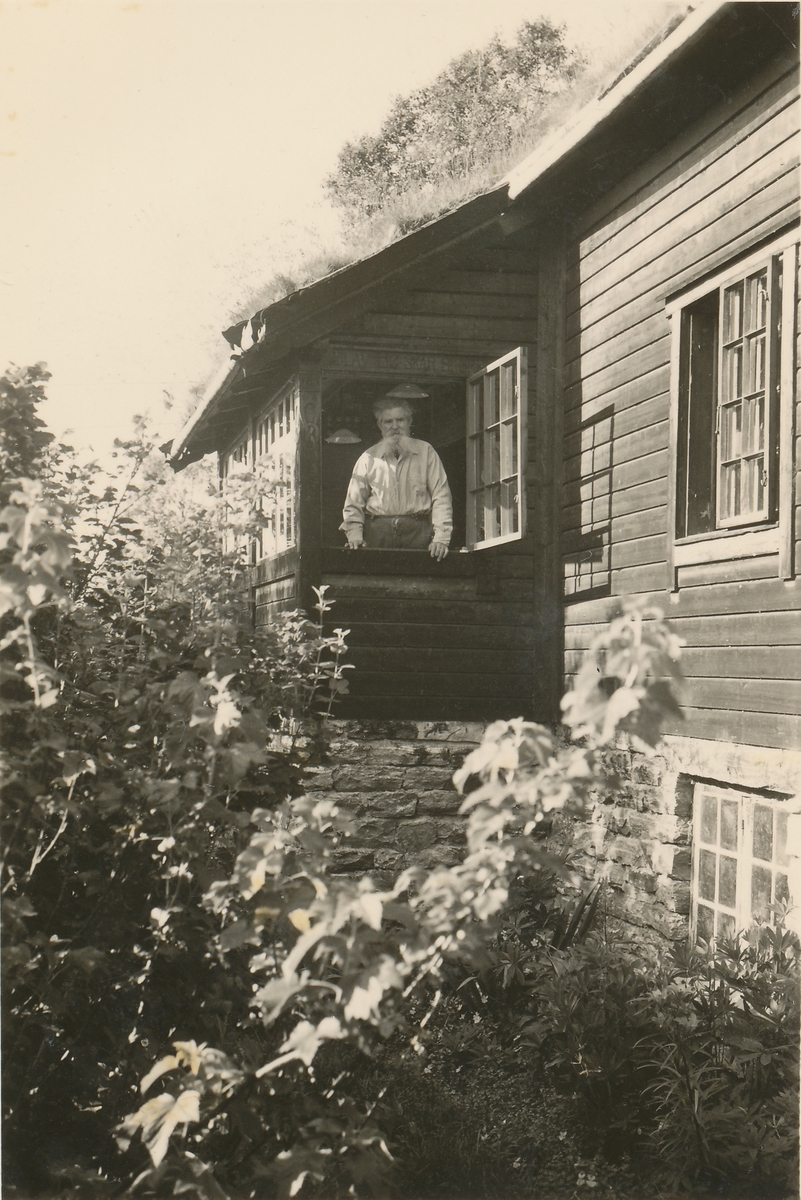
[732, 364]
[728, 404]
[496, 449]
[740, 861]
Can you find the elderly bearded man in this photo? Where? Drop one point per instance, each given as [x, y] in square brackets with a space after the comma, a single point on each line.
[398, 497]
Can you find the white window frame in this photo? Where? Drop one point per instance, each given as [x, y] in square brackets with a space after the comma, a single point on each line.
[744, 863]
[770, 531]
[499, 434]
[275, 437]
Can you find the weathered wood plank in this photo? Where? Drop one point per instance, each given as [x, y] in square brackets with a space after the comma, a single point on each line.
[416, 683]
[738, 167]
[430, 612]
[442, 636]
[744, 728]
[392, 563]
[491, 283]
[489, 306]
[634, 499]
[745, 695]
[649, 433]
[746, 597]
[584, 363]
[763, 566]
[630, 395]
[456, 329]
[756, 630]
[638, 551]
[399, 587]
[737, 118]
[728, 662]
[717, 242]
[396, 659]
[626, 371]
[479, 350]
[631, 580]
[681, 229]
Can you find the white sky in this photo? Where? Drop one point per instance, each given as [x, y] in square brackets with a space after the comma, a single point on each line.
[159, 160]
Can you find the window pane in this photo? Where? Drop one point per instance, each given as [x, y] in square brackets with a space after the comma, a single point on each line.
[752, 498]
[753, 424]
[706, 875]
[728, 824]
[731, 432]
[490, 399]
[492, 511]
[756, 305]
[474, 406]
[477, 514]
[508, 380]
[755, 371]
[509, 521]
[705, 923]
[726, 926]
[732, 374]
[782, 888]
[760, 893]
[763, 832]
[709, 820]
[508, 449]
[492, 456]
[733, 312]
[730, 490]
[727, 881]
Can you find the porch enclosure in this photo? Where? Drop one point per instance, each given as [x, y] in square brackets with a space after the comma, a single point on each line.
[479, 634]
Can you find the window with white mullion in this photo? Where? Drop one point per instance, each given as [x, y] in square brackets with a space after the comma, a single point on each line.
[744, 415]
[717, 863]
[740, 861]
[495, 450]
[275, 442]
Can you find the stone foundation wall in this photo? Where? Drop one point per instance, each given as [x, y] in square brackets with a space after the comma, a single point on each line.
[396, 777]
[638, 836]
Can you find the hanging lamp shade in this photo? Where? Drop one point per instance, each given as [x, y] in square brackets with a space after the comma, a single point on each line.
[407, 391]
[343, 437]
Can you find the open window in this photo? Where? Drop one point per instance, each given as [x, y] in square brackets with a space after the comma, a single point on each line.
[480, 438]
[740, 861]
[496, 442]
[732, 410]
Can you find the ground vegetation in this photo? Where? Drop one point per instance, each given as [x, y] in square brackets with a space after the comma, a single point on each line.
[197, 1002]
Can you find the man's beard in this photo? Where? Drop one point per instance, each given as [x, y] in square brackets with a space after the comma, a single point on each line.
[400, 442]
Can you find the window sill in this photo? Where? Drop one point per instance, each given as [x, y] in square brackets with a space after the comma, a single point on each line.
[372, 561]
[722, 546]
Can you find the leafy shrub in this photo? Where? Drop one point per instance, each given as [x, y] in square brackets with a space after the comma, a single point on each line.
[138, 709]
[691, 1053]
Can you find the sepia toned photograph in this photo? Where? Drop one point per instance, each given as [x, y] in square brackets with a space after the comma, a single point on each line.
[400, 645]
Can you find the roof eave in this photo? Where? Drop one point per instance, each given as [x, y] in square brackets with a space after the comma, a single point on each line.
[597, 112]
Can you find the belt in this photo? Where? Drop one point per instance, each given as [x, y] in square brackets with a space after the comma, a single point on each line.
[424, 516]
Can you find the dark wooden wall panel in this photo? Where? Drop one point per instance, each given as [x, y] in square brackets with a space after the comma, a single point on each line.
[721, 189]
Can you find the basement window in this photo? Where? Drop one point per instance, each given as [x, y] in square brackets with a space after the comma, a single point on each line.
[740, 861]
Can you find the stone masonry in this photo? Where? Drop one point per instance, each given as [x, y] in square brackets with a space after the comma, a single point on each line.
[396, 778]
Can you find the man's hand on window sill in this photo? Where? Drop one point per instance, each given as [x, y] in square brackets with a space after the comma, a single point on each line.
[355, 540]
[438, 550]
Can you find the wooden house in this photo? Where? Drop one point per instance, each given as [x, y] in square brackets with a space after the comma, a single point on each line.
[615, 326]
